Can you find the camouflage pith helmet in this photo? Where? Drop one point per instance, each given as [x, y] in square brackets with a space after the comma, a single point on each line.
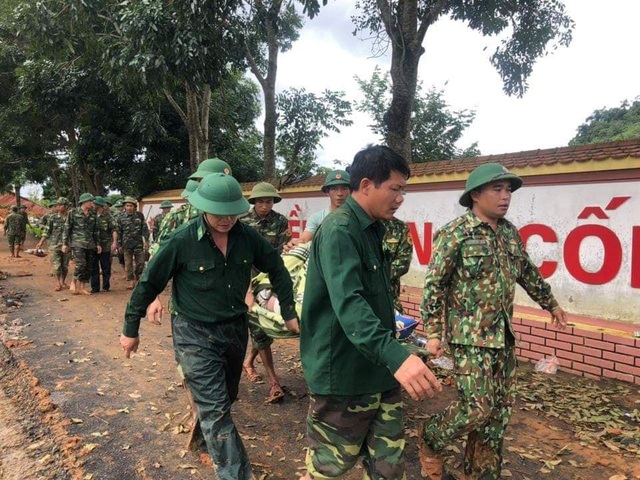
[211, 165]
[189, 188]
[264, 190]
[166, 204]
[99, 201]
[219, 194]
[85, 197]
[336, 177]
[63, 201]
[487, 173]
[130, 200]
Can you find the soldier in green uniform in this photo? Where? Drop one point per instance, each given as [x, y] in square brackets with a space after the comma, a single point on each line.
[52, 232]
[132, 236]
[22, 229]
[102, 261]
[210, 261]
[468, 297]
[274, 228]
[398, 246]
[165, 207]
[11, 229]
[353, 365]
[81, 234]
[50, 212]
[118, 209]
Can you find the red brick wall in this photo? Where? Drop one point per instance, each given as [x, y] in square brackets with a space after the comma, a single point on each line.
[584, 348]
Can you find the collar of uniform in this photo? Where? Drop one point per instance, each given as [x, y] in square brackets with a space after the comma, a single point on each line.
[365, 220]
[201, 228]
[475, 221]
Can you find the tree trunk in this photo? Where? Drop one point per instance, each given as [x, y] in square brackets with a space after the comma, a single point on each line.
[17, 189]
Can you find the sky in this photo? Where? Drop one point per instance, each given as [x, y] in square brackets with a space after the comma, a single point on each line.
[599, 69]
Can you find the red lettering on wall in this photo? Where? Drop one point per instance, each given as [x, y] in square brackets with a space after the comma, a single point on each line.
[422, 249]
[612, 254]
[635, 258]
[547, 267]
[297, 227]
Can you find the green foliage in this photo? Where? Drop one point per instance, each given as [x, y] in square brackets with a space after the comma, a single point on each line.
[610, 124]
[35, 230]
[304, 119]
[435, 127]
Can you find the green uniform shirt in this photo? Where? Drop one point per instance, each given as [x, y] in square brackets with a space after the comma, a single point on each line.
[81, 231]
[207, 286]
[347, 340]
[471, 280]
[53, 230]
[12, 223]
[106, 228]
[397, 245]
[274, 228]
[133, 231]
[157, 221]
[22, 227]
[172, 220]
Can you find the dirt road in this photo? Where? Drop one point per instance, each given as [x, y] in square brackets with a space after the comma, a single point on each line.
[71, 406]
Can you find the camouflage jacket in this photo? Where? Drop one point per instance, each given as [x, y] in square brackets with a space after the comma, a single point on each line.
[53, 230]
[471, 279]
[12, 223]
[157, 221]
[172, 220]
[81, 230]
[132, 231]
[22, 226]
[106, 228]
[274, 228]
[397, 245]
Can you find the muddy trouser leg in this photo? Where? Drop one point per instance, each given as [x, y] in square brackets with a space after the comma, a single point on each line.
[57, 261]
[82, 268]
[95, 273]
[105, 266]
[485, 380]
[11, 238]
[128, 263]
[138, 259]
[211, 360]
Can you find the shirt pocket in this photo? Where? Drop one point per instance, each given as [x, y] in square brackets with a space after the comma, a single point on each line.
[516, 259]
[476, 259]
[242, 270]
[202, 273]
[372, 281]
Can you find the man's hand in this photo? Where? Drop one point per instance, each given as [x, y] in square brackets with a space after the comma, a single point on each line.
[99, 249]
[434, 347]
[129, 345]
[293, 325]
[39, 245]
[416, 378]
[559, 318]
[64, 249]
[290, 244]
[154, 312]
[114, 247]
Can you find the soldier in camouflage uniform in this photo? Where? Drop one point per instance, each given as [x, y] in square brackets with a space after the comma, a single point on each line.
[469, 290]
[397, 245]
[116, 211]
[52, 232]
[11, 229]
[165, 207]
[274, 228]
[24, 221]
[353, 365]
[132, 235]
[81, 234]
[102, 261]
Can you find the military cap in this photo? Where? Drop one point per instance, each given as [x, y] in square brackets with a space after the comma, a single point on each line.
[487, 173]
[219, 194]
[99, 201]
[336, 177]
[211, 165]
[264, 190]
[189, 188]
[166, 204]
[108, 201]
[53, 203]
[118, 203]
[62, 201]
[129, 199]
[85, 197]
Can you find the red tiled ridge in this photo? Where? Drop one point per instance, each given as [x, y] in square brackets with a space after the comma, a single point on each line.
[588, 347]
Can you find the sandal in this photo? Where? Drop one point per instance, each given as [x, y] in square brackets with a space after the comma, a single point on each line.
[251, 374]
[276, 394]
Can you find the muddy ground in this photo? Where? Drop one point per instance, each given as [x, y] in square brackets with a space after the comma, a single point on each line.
[72, 407]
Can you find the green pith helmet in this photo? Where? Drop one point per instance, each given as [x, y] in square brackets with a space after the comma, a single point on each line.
[189, 188]
[85, 197]
[53, 203]
[130, 200]
[118, 203]
[336, 177]
[212, 165]
[166, 204]
[264, 190]
[219, 194]
[108, 201]
[99, 201]
[63, 201]
[487, 173]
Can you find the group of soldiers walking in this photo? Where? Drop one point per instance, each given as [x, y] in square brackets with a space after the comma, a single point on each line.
[15, 229]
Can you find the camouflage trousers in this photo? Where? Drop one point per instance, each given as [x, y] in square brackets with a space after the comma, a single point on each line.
[486, 383]
[13, 240]
[133, 262]
[83, 258]
[59, 262]
[210, 357]
[341, 429]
